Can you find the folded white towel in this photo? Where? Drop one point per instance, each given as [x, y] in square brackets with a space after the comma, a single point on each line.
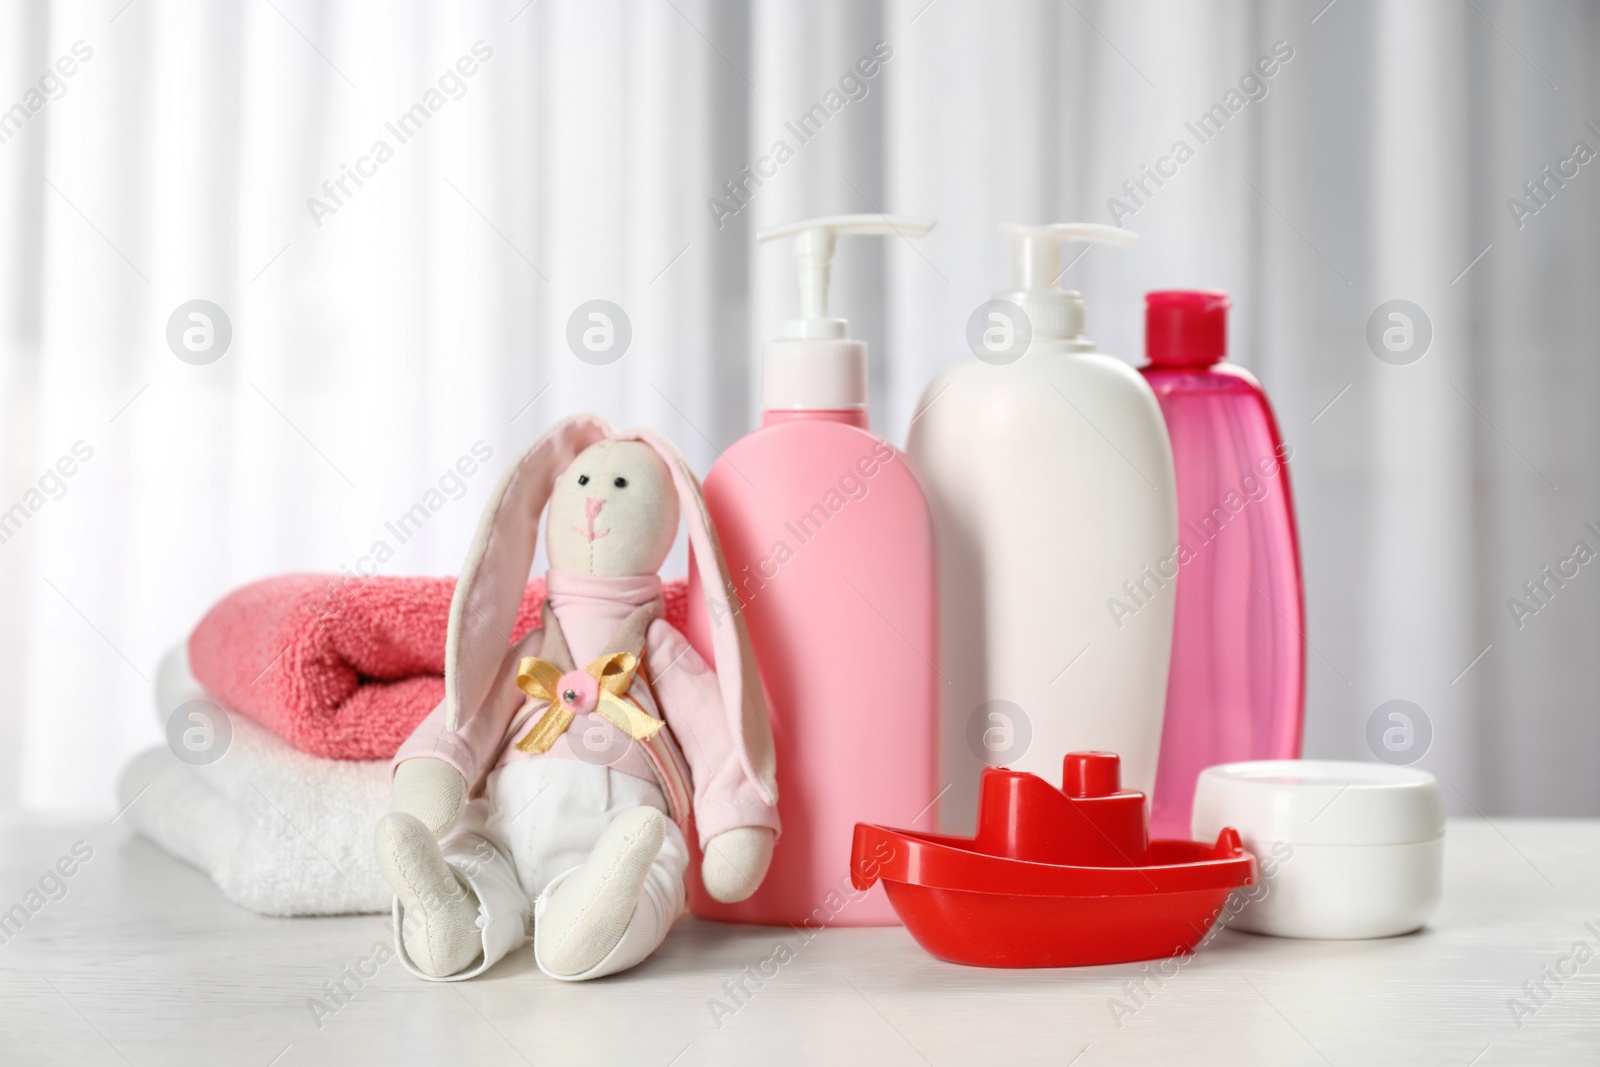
[281, 832]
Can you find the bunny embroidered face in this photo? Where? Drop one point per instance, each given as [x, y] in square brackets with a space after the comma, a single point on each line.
[613, 512]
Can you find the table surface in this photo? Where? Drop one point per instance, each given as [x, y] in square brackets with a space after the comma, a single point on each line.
[142, 961]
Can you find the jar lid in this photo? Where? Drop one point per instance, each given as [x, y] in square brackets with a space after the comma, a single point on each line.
[1318, 802]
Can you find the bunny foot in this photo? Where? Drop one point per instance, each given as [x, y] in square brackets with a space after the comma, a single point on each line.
[587, 914]
[440, 929]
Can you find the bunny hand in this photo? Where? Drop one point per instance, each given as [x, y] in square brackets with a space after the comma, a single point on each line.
[736, 861]
[431, 790]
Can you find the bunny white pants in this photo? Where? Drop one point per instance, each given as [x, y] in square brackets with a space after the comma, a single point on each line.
[535, 824]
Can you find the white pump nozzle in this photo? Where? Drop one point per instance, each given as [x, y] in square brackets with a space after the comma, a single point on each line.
[813, 250]
[1054, 313]
[1036, 250]
[815, 366]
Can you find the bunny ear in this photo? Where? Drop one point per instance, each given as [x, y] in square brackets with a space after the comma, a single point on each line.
[484, 609]
[740, 681]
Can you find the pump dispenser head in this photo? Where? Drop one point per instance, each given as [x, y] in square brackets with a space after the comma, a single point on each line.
[1055, 314]
[815, 366]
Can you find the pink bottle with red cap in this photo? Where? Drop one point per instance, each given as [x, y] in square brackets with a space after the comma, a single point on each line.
[1236, 687]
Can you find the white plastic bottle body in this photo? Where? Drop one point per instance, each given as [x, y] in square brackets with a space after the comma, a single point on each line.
[1051, 485]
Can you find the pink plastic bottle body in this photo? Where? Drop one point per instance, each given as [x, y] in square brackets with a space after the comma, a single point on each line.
[1236, 689]
[829, 543]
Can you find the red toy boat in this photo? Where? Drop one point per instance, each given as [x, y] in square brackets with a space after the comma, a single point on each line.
[1056, 877]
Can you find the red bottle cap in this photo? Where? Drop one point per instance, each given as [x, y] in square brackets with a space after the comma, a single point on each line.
[1186, 327]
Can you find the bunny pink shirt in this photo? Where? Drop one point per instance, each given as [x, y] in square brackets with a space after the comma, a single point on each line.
[589, 610]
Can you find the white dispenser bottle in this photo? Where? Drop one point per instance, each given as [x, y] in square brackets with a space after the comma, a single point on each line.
[1049, 474]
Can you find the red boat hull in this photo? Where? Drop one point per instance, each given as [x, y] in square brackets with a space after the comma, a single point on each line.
[996, 930]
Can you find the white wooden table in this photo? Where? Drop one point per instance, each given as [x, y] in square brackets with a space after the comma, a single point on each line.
[143, 962]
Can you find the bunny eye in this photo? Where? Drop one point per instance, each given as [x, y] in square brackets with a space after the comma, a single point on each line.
[583, 479]
[620, 483]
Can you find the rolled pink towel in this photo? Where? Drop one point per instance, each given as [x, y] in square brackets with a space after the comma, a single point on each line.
[342, 667]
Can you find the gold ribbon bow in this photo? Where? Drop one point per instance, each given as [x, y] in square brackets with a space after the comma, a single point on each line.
[541, 680]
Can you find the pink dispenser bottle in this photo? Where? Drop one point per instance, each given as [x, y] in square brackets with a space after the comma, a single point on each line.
[1236, 688]
[829, 546]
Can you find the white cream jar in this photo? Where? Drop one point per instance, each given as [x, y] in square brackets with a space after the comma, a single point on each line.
[1347, 850]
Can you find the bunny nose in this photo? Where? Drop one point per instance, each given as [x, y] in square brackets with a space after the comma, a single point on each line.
[591, 511]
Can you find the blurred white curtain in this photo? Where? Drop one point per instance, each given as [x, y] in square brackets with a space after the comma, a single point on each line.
[429, 311]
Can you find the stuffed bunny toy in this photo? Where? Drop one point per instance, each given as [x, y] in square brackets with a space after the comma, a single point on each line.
[551, 791]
